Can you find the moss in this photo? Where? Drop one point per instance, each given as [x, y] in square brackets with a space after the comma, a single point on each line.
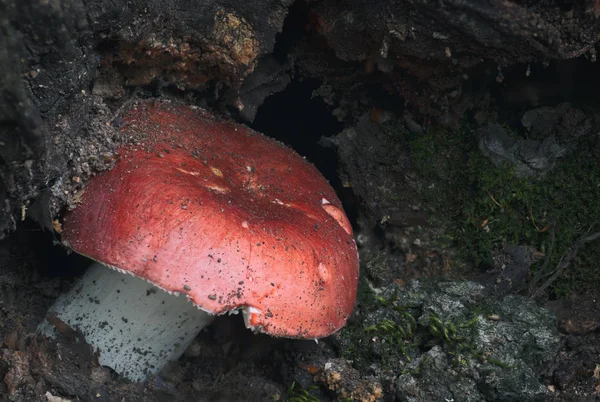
[377, 267]
[585, 276]
[364, 295]
[497, 362]
[396, 338]
[482, 206]
[296, 393]
[387, 339]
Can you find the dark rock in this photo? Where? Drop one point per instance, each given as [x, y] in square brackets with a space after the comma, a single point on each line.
[529, 157]
[375, 160]
[432, 46]
[439, 383]
[504, 346]
[512, 267]
[268, 78]
[563, 121]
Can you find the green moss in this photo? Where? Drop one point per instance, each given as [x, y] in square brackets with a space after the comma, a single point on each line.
[498, 362]
[482, 206]
[585, 276]
[299, 394]
[377, 267]
[445, 331]
[364, 295]
[387, 340]
[396, 338]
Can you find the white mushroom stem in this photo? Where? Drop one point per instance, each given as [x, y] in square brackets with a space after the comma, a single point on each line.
[136, 327]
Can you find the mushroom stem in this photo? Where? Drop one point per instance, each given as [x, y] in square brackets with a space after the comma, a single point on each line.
[136, 327]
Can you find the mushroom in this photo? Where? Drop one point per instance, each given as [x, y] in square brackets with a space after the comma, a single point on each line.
[209, 209]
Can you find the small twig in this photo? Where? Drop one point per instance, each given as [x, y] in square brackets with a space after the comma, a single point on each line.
[545, 228]
[531, 216]
[493, 199]
[132, 98]
[566, 260]
[540, 272]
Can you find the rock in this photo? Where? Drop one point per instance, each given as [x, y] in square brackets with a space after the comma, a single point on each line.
[438, 383]
[512, 267]
[563, 121]
[466, 346]
[268, 78]
[528, 157]
[338, 376]
[53, 398]
[375, 160]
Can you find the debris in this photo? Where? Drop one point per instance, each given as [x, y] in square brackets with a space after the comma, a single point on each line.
[52, 398]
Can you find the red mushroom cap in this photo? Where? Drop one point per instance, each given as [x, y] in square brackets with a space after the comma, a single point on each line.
[225, 215]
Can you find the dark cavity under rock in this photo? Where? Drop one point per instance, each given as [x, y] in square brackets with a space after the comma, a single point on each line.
[432, 47]
[268, 78]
